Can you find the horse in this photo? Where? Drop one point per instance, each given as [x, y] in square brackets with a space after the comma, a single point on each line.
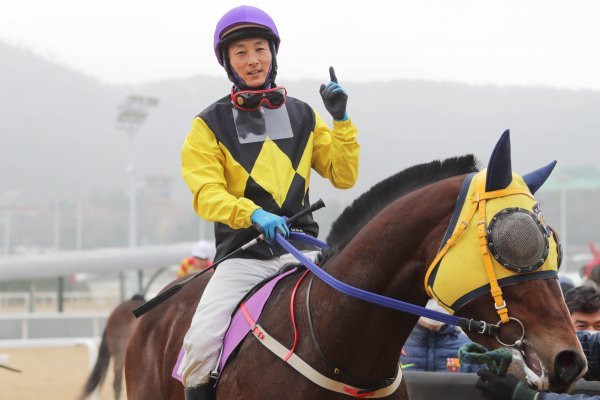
[384, 242]
[119, 326]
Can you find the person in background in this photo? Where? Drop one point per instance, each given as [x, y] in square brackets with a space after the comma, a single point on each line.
[248, 161]
[201, 258]
[509, 387]
[433, 346]
[583, 303]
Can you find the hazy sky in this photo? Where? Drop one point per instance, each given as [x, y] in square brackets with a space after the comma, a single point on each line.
[523, 42]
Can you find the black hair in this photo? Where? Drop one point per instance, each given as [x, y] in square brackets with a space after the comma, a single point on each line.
[585, 299]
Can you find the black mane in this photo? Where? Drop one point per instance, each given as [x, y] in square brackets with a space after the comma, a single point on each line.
[365, 207]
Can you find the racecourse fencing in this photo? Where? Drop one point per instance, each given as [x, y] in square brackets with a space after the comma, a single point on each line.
[51, 326]
[26, 301]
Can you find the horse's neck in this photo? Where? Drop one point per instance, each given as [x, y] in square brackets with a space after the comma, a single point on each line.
[388, 256]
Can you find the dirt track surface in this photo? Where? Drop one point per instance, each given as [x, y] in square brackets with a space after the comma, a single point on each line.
[57, 373]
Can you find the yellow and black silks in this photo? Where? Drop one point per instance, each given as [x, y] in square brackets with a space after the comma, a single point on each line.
[230, 179]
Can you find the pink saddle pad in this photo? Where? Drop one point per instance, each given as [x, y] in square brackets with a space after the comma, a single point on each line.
[239, 326]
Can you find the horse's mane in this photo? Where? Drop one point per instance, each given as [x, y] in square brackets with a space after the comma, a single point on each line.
[367, 205]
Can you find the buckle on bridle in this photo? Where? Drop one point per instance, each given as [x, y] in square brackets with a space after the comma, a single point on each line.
[483, 327]
[500, 306]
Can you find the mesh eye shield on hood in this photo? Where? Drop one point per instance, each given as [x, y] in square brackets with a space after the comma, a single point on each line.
[461, 274]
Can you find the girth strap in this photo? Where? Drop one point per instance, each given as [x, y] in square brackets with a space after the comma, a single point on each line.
[313, 375]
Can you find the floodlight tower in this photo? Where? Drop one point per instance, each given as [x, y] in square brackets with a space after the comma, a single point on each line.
[132, 114]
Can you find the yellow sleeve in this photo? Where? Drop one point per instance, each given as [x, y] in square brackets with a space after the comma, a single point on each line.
[183, 268]
[336, 152]
[202, 168]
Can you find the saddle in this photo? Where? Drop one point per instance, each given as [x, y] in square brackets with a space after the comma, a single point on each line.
[252, 305]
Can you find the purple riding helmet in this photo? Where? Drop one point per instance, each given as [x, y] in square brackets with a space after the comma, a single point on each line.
[240, 23]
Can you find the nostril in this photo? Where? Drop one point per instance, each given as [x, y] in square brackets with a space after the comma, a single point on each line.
[567, 366]
[566, 357]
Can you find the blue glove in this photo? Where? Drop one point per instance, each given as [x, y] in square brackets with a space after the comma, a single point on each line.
[267, 223]
[494, 387]
[334, 97]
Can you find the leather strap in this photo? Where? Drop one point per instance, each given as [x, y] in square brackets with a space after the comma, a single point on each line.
[313, 375]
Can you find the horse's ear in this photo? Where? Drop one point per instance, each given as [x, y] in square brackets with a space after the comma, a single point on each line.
[499, 169]
[535, 179]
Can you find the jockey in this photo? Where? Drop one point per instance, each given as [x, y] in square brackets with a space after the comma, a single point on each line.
[200, 259]
[247, 161]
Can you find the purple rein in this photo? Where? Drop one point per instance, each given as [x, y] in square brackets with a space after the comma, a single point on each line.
[481, 327]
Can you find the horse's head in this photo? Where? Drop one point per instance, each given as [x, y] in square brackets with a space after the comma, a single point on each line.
[499, 263]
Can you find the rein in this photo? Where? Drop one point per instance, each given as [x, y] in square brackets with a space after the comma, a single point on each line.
[498, 360]
[472, 325]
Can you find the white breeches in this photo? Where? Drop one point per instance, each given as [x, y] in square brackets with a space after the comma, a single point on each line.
[232, 279]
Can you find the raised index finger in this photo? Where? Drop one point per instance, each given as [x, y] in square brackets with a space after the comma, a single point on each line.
[332, 75]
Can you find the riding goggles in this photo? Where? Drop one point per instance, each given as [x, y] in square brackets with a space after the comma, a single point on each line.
[252, 100]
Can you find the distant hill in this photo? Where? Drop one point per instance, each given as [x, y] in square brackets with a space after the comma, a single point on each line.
[56, 127]
[59, 138]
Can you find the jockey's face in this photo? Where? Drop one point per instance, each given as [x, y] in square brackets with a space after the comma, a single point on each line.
[251, 60]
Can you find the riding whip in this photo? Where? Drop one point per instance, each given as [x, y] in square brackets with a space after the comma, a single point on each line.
[150, 304]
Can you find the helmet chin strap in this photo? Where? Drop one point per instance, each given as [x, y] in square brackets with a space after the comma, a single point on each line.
[239, 83]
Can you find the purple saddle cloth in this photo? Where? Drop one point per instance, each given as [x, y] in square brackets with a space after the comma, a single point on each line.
[239, 326]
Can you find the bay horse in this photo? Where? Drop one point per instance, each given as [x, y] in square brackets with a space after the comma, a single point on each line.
[383, 243]
[118, 329]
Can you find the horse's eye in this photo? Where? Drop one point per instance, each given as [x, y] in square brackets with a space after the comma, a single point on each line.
[518, 240]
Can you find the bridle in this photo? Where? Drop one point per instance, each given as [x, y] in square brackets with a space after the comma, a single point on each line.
[477, 214]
